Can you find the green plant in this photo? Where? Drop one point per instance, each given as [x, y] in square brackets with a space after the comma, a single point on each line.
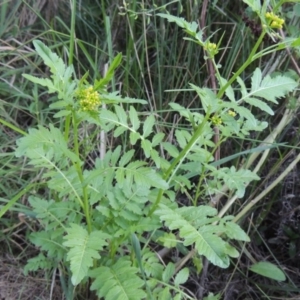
[100, 222]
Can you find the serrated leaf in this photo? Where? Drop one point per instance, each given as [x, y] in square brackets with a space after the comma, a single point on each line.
[38, 262]
[180, 138]
[242, 85]
[168, 272]
[152, 265]
[208, 98]
[247, 114]
[115, 155]
[66, 183]
[62, 113]
[169, 240]
[51, 245]
[125, 159]
[58, 104]
[119, 131]
[181, 110]
[134, 119]
[171, 149]
[181, 277]
[42, 81]
[271, 88]
[118, 281]
[268, 270]
[260, 104]
[197, 226]
[134, 136]
[156, 158]
[257, 126]
[157, 138]
[256, 79]
[179, 21]
[121, 115]
[84, 249]
[236, 179]
[48, 145]
[190, 28]
[234, 231]
[50, 59]
[109, 116]
[134, 172]
[114, 98]
[61, 74]
[229, 92]
[148, 126]
[147, 147]
[145, 176]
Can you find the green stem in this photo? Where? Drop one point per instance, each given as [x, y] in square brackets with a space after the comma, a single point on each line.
[243, 67]
[85, 203]
[13, 127]
[204, 174]
[67, 127]
[177, 161]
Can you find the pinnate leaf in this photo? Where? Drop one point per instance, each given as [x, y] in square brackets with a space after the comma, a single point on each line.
[50, 59]
[118, 281]
[134, 119]
[190, 28]
[236, 179]
[271, 88]
[182, 276]
[148, 126]
[197, 226]
[84, 248]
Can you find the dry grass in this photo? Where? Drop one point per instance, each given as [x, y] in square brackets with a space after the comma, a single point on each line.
[15, 285]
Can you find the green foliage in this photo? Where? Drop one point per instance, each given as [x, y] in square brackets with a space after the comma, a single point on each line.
[268, 270]
[84, 248]
[100, 221]
[198, 226]
[118, 281]
[60, 81]
[270, 88]
[38, 262]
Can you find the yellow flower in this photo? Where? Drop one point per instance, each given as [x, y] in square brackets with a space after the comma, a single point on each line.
[216, 120]
[211, 48]
[232, 113]
[274, 20]
[89, 99]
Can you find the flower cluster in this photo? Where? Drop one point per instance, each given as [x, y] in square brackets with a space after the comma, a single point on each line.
[89, 99]
[211, 48]
[231, 113]
[274, 20]
[216, 120]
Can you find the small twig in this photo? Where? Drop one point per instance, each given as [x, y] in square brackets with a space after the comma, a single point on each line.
[202, 280]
